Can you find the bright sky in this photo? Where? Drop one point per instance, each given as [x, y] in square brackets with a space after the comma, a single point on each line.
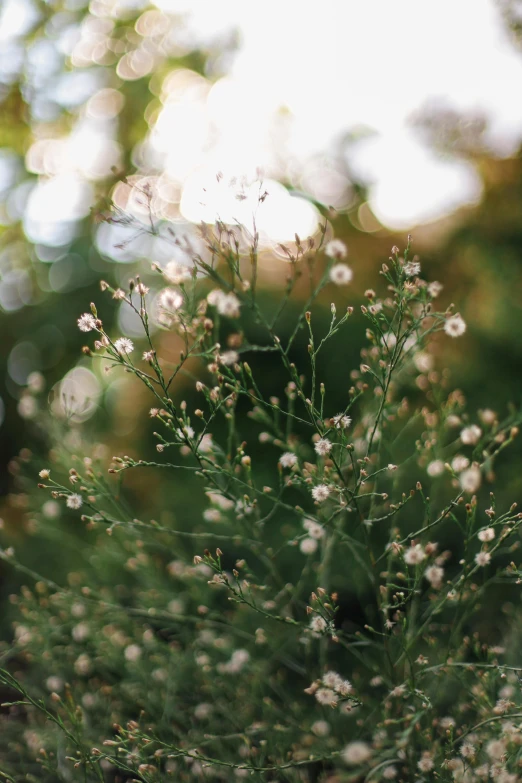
[305, 75]
[346, 63]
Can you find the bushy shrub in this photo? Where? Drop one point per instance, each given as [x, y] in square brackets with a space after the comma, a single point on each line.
[344, 607]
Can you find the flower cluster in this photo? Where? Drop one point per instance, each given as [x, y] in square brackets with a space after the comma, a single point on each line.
[189, 639]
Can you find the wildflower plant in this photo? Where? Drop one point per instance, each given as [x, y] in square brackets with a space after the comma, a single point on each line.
[324, 620]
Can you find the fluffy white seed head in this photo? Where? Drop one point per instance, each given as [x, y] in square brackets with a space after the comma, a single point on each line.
[335, 248]
[455, 326]
[356, 753]
[341, 274]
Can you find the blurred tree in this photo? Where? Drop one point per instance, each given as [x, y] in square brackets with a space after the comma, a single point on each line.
[74, 77]
[68, 67]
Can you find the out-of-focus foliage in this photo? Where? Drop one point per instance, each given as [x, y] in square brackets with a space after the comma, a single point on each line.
[512, 12]
[79, 85]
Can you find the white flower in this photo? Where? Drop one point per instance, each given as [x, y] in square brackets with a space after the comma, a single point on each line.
[452, 421]
[123, 345]
[212, 515]
[341, 421]
[288, 460]
[434, 574]
[313, 528]
[202, 710]
[317, 624]
[470, 436]
[323, 447]
[414, 555]
[51, 509]
[426, 763]
[326, 696]
[320, 728]
[228, 358]
[410, 342]
[320, 492]
[423, 361]
[412, 268]
[487, 416]
[228, 305]
[435, 288]
[237, 661]
[501, 707]
[177, 273]
[341, 274]
[225, 504]
[45, 473]
[132, 652]
[459, 463]
[487, 534]
[389, 340]
[344, 688]
[74, 501]
[86, 322]
[80, 632]
[495, 749]
[244, 507]
[470, 479]
[206, 444]
[455, 326]
[482, 558]
[27, 406]
[308, 546]
[389, 773]
[356, 753]
[35, 382]
[215, 296]
[447, 723]
[54, 683]
[170, 300]
[185, 432]
[83, 664]
[332, 680]
[23, 635]
[336, 249]
[435, 468]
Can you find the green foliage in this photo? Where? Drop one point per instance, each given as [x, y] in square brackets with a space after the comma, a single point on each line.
[313, 607]
[129, 660]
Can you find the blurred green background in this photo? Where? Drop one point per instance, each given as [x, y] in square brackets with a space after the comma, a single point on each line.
[162, 93]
